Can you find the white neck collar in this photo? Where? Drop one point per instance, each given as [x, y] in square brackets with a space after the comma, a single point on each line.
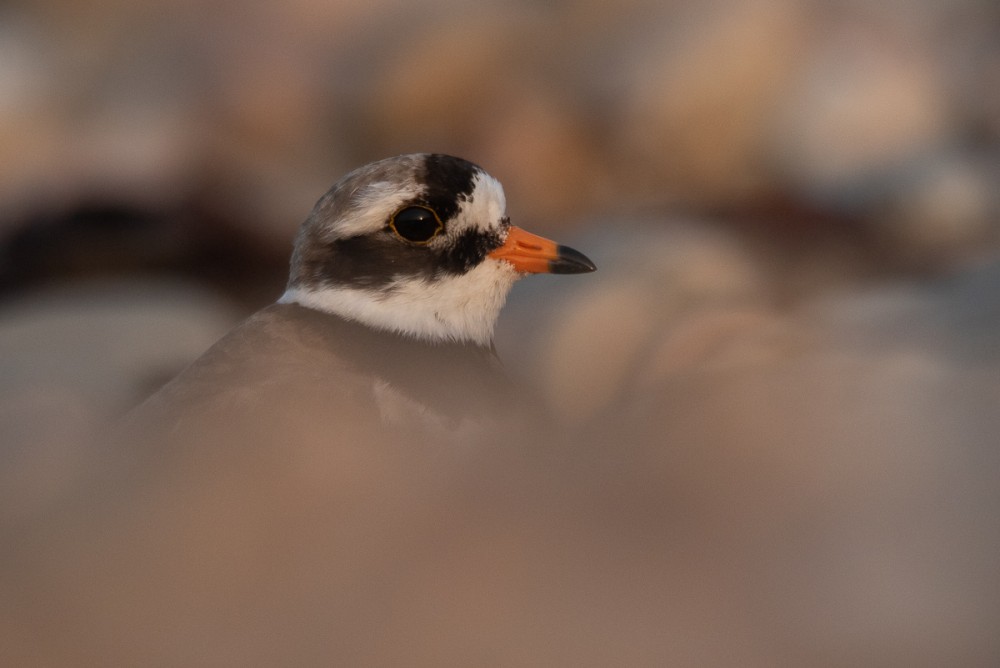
[461, 308]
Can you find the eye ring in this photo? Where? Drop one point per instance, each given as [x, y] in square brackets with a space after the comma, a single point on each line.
[413, 224]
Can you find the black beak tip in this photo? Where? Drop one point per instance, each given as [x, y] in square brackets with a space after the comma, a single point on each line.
[571, 262]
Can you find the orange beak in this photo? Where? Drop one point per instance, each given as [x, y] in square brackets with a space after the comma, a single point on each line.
[532, 254]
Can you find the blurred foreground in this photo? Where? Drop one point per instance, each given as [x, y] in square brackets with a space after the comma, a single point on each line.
[722, 483]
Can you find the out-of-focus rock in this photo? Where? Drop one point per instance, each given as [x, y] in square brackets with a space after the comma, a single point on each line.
[75, 358]
[611, 328]
[943, 210]
[701, 92]
[865, 102]
[433, 87]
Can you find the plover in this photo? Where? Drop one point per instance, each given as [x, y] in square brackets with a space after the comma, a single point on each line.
[397, 279]
[276, 512]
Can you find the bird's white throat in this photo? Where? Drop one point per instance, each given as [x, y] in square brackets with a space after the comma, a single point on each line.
[460, 308]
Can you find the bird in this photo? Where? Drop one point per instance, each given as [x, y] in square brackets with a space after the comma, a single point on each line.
[396, 280]
[268, 505]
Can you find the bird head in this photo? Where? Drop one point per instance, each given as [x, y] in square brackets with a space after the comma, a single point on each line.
[420, 245]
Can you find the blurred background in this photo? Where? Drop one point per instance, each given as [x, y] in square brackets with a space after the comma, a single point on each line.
[788, 362]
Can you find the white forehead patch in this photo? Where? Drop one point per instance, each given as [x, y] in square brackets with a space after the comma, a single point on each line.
[488, 204]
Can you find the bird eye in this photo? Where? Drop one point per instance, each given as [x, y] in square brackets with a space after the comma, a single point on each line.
[416, 223]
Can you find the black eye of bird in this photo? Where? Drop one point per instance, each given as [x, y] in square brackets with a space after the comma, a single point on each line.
[416, 223]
